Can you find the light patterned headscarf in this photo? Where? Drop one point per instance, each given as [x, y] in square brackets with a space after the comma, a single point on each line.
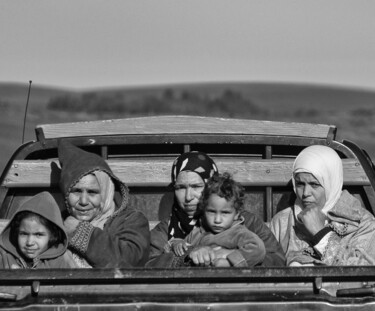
[107, 192]
[326, 166]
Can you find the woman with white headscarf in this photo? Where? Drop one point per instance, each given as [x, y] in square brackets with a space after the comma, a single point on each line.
[326, 225]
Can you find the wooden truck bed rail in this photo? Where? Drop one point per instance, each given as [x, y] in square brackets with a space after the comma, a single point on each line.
[156, 173]
[184, 125]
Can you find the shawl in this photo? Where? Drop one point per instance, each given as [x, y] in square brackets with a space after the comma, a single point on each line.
[107, 192]
[180, 224]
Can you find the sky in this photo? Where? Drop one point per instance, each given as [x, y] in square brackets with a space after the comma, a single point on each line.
[84, 44]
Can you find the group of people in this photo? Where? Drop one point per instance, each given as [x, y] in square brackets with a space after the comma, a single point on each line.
[208, 224]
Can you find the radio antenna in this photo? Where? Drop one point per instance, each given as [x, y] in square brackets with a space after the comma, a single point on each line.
[27, 105]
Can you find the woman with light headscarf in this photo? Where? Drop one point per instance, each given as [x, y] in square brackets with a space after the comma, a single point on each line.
[326, 225]
[103, 231]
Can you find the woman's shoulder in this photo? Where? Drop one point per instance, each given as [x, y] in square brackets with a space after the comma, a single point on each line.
[162, 226]
[348, 203]
[346, 198]
[253, 219]
[350, 207]
[129, 216]
[250, 217]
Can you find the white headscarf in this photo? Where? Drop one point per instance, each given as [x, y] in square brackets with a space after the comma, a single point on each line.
[326, 166]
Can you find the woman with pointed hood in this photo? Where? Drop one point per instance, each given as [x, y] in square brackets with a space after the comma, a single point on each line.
[326, 225]
[35, 238]
[103, 231]
[190, 173]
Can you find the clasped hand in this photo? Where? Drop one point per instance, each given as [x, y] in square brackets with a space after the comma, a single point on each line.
[203, 256]
[312, 219]
[70, 225]
[210, 256]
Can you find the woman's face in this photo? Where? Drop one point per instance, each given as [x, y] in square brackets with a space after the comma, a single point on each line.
[309, 191]
[188, 190]
[85, 199]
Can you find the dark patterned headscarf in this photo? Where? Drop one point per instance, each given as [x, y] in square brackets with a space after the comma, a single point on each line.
[194, 161]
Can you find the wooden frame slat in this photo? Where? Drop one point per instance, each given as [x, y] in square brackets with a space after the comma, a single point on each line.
[184, 125]
[156, 172]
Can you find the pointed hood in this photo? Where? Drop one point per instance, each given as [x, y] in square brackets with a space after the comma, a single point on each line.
[44, 205]
[76, 163]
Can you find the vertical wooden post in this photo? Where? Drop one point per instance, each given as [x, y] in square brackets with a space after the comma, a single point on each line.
[186, 148]
[268, 196]
[104, 152]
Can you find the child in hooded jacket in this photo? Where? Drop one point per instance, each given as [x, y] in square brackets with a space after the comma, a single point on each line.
[35, 237]
[221, 226]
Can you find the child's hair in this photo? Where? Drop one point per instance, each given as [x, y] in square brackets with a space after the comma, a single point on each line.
[225, 187]
[57, 235]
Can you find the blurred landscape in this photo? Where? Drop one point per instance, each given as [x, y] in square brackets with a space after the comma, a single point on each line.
[352, 110]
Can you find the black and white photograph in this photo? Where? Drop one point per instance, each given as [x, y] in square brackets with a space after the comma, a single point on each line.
[187, 155]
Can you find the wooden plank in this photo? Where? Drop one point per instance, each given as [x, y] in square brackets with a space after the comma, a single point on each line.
[156, 172]
[183, 125]
[208, 277]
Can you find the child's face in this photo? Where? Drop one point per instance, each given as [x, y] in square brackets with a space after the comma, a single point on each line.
[33, 238]
[219, 214]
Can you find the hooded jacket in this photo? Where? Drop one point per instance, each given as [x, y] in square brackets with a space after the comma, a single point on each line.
[124, 240]
[44, 205]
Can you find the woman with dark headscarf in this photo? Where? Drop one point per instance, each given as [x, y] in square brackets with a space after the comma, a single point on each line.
[103, 231]
[190, 172]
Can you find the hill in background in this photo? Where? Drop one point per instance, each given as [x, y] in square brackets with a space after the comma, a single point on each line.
[351, 110]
